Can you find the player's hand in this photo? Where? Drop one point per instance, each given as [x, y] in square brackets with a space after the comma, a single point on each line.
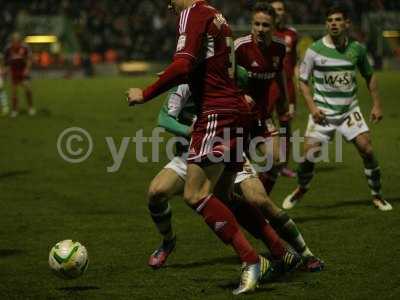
[292, 109]
[249, 101]
[289, 114]
[191, 128]
[376, 114]
[134, 96]
[319, 117]
[190, 131]
[286, 117]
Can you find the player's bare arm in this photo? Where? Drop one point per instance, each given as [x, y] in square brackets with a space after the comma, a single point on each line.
[376, 111]
[283, 89]
[317, 114]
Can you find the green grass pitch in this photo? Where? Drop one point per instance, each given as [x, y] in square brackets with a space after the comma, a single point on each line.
[43, 200]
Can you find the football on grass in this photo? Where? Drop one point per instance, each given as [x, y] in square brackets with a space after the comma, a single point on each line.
[68, 259]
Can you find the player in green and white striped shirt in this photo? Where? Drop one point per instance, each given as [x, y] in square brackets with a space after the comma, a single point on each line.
[331, 64]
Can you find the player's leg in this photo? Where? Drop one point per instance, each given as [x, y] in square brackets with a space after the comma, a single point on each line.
[314, 137]
[205, 176]
[250, 216]
[270, 150]
[29, 97]
[4, 109]
[355, 129]
[305, 172]
[3, 97]
[372, 170]
[165, 185]
[14, 99]
[248, 211]
[254, 192]
[199, 194]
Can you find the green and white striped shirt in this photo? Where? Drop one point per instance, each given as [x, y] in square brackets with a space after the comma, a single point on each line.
[334, 74]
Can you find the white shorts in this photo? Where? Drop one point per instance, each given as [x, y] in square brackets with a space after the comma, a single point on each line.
[350, 125]
[179, 165]
[247, 173]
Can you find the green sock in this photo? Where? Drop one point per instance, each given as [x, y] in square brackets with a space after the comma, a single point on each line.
[372, 172]
[161, 214]
[289, 231]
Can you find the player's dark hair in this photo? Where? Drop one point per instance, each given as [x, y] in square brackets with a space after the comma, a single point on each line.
[272, 1]
[264, 7]
[338, 9]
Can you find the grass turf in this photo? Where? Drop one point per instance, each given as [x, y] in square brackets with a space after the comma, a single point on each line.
[44, 200]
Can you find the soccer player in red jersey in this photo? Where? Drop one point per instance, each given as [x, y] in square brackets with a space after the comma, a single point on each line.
[290, 37]
[204, 58]
[262, 55]
[17, 58]
[176, 116]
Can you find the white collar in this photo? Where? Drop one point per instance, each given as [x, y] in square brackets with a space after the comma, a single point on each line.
[327, 43]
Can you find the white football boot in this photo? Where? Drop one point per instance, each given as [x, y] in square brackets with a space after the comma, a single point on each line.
[252, 275]
[292, 199]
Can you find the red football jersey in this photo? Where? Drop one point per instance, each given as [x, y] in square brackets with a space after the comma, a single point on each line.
[16, 57]
[262, 67]
[206, 38]
[290, 37]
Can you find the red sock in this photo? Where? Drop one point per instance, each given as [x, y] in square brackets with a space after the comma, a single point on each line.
[243, 248]
[252, 219]
[273, 242]
[221, 220]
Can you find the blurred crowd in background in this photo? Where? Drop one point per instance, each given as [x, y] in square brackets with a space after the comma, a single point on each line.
[138, 29]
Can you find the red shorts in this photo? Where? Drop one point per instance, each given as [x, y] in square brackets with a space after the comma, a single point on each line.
[18, 77]
[221, 136]
[275, 95]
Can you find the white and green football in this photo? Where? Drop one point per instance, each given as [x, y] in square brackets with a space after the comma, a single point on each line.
[68, 259]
